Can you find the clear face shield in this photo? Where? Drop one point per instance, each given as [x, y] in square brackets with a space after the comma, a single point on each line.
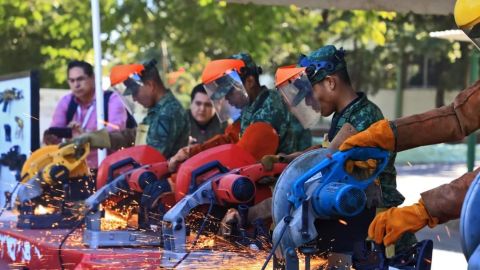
[298, 95]
[473, 32]
[228, 95]
[132, 85]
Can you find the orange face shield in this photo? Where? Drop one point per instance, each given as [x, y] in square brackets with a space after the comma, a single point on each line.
[128, 75]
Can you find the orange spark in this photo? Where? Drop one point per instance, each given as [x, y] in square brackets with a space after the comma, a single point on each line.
[27, 115]
[448, 231]
[106, 123]
[343, 222]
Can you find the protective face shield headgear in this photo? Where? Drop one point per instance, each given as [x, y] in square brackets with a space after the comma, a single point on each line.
[323, 62]
[467, 17]
[297, 92]
[132, 85]
[228, 95]
[129, 76]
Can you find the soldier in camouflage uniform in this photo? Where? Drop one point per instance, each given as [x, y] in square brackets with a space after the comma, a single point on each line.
[357, 110]
[265, 106]
[361, 113]
[326, 70]
[166, 125]
[268, 106]
[261, 105]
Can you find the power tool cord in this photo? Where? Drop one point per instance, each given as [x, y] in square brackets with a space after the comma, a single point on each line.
[287, 220]
[202, 227]
[65, 239]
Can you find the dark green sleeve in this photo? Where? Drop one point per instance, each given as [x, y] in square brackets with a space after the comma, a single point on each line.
[301, 137]
[273, 112]
[304, 140]
[161, 134]
[365, 118]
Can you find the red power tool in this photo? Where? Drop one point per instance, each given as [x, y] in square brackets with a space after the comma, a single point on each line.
[227, 176]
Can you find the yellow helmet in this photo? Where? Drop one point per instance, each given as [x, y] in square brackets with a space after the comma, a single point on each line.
[467, 17]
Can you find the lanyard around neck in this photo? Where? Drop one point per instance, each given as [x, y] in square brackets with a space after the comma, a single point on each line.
[87, 116]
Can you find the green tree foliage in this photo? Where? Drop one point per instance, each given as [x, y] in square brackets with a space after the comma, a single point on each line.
[45, 34]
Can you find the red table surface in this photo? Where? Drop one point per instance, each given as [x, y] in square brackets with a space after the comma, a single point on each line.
[38, 249]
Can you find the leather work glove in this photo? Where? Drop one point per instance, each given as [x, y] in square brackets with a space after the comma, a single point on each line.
[268, 161]
[182, 155]
[50, 139]
[262, 210]
[76, 127]
[389, 226]
[96, 139]
[380, 134]
[361, 169]
[230, 222]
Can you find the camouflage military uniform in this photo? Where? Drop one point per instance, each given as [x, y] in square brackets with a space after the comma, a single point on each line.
[301, 138]
[168, 125]
[269, 107]
[361, 113]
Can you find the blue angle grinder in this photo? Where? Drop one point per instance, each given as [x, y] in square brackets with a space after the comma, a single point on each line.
[314, 193]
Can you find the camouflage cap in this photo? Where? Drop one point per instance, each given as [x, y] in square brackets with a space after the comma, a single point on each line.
[322, 62]
[249, 63]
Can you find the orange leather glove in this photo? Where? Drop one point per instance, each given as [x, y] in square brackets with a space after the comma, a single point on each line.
[361, 169]
[231, 135]
[380, 134]
[210, 143]
[178, 158]
[268, 161]
[388, 226]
